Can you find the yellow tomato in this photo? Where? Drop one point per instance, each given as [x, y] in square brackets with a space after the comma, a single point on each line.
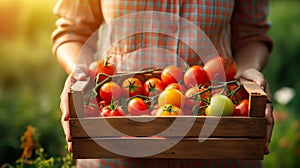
[171, 96]
[169, 110]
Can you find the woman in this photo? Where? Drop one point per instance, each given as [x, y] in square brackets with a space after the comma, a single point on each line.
[237, 29]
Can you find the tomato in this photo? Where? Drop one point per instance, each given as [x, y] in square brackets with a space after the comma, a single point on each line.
[240, 93]
[137, 107]
[221, 69]
[195, 75]
[242, 109]
[171, 74]
[101, 66]
[220, 105]
[153, 86]
[171, 96]
[193, 98]
[112, 110]
[131, 87]
[92, 108]
[169, 110]
[109, 91]
[195, 91]
[92, 70]
[177, 86]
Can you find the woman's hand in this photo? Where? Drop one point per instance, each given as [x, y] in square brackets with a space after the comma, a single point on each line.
[79, 73]
[256, 76]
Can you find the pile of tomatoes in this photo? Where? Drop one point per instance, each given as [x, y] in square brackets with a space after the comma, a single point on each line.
[209, 90]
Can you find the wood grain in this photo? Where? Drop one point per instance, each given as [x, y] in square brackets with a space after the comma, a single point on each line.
[190, 126]
[213, 148]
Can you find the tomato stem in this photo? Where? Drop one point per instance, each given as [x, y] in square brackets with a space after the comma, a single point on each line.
[93, 92]
[197, 97]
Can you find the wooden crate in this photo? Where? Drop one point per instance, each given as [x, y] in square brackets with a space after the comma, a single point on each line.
[233, 137]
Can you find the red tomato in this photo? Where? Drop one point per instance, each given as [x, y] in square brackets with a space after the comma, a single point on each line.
[112, 110]
[137, 107]
[109, 91]
[192, 101]
[195, 75]
[171, 74]
[177, 86]
[153, 86]
[101, 66]
[239, 95]
[221, 69]
[171, 96]
[131, 87]
[242, 109]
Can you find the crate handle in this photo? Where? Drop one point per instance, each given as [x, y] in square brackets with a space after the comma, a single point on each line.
[257, 98]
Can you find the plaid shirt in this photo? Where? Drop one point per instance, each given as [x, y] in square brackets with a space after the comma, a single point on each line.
[228, 24]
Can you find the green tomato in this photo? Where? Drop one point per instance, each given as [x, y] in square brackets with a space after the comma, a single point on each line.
[220, 105]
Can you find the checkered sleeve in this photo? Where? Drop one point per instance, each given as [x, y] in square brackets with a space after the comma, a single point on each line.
[249, 23]
[78, 19]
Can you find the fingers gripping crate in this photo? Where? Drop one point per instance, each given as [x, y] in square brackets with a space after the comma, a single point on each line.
[232, 138]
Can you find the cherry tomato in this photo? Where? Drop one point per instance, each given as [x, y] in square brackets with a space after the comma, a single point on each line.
[169, 110]
[177, 86]
[242, 109]
[171, 96]
[171, 74]
[101, 66]
[221, 69]
[195, 76]
[239, 95]
[153, 86]
[112, 110]
[193, 98]
[131, 87]
[137, 107]
[220, 105]
[109, 91]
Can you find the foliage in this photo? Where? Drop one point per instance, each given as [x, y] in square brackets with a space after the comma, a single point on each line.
[282, 68]
[30, 80]
[282, 71]
[34, 156]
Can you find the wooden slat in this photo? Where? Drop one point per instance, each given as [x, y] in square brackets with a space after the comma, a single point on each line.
[80, 86]
[76, 99]
[257, 98]
[257, 105]
[142, 77]
[212, 148]
[76, 104]
[185, 125]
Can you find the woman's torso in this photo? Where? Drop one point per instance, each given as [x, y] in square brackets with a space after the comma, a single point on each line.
[172, 39]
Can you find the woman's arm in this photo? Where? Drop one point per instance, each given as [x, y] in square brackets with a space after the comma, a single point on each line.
[78, 20]
[251, 48]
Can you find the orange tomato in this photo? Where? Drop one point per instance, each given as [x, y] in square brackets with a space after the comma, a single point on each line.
[171, 96]
[169, 110]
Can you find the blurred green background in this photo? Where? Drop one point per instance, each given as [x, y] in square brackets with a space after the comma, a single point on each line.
[31, 80]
